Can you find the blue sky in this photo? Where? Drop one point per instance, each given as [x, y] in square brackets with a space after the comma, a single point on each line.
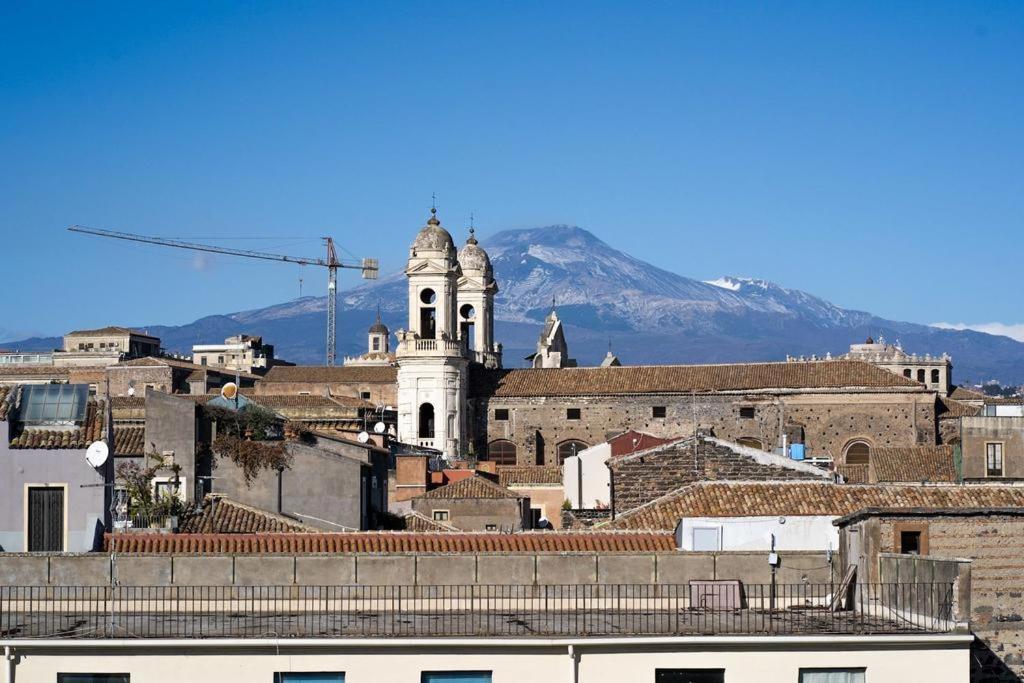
[870, 153]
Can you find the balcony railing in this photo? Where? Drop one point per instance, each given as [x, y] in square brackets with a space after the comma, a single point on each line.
[469, 610]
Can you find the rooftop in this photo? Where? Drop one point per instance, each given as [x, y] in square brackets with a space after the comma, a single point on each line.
[328, 374]
[769, 499]
[391, 542]
[473, 486]
[220, 515]
[685, 379]
[288, 612]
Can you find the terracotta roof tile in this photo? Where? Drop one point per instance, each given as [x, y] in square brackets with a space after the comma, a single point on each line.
[219, 515]
[914, 464]
[129, 439]
[854, 474]
[8, 395]
[529, 475]
[393, 542]
[110, 329]
[965, 394]
[79, 437]
[474, 486]
[339, 373]
[679, 379]
[736, 499]
[949, 408]
[14, 370]
[414, 521]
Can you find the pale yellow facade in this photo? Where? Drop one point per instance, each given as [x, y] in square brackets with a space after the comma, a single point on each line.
[767, 659]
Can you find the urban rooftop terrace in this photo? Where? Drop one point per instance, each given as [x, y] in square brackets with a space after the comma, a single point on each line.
[695, 609]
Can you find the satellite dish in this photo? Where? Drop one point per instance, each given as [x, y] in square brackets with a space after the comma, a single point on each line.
[363, 437]
[229, 391]
[380, 427]
[96, 454]
[131, 391]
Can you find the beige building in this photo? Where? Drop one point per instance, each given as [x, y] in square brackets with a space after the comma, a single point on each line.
[241, 352]
[104, 346]
[934, 372]
[992, 448]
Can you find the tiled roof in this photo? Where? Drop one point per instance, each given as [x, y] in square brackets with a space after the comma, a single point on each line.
[685, 379]
[296, 401]
[219, 515]
[761, 499]
[393, 542]
[529, 475]
[33, 370]
[127, 402]
[854, 474]
[473, 486]
[110, 329]
[77, 438]
[965, 394]
[164, 361]
[949, 408]
[5, 403]
[338, 373]
[414, 521]
[129, 439]
[914, 464]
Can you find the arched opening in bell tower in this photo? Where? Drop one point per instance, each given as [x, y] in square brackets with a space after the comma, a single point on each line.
[426, 423]
[428, 314]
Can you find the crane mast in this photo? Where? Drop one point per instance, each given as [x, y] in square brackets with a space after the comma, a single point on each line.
[369, 267]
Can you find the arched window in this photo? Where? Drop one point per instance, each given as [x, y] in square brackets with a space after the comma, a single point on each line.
[935, 376]
[920, 375]
[428, 319]
[858, 453]
[570, 448]
[426, 421]
[750, 442]
[502, 452]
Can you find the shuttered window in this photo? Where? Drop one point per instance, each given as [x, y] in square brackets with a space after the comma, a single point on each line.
[45, 518]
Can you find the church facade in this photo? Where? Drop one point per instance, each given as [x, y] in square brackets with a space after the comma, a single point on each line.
[453, 394]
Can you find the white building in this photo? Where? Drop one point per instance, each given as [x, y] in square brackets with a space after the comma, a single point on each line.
[451, 317]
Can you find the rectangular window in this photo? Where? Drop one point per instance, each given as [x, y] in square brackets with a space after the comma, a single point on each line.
[94, 678]
[45, 518]
[707, 539]
[365, 395]
[455, 677]
[572, 414]
[658, 411]
[831, 675]
[747, 412]
[309, 677]
[490, 527]
[910, 542]
[441, 515]
[994, 459]
[689, 675]
[501, 414]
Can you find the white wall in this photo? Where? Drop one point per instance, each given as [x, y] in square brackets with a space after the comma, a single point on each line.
[771, 659]
[753, 533]
[596, 478]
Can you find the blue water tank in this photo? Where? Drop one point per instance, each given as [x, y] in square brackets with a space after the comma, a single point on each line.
[796, 451]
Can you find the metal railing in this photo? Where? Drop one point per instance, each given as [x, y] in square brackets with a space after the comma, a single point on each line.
[469, 610]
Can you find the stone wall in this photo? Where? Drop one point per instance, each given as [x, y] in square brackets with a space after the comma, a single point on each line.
[639, 479]
[381, 393]
[995, 546]
[584, 519]
[475, 514]
[829, 421]
[531, 569]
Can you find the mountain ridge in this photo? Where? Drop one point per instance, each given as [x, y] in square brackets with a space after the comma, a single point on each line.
[608, 298]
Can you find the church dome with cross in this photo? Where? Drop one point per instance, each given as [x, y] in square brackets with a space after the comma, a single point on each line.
[472, 257]
[432, 237]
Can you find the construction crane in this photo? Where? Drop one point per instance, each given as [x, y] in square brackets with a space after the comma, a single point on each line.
[369, 267]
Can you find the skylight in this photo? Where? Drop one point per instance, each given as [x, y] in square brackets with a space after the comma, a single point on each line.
[53, 404]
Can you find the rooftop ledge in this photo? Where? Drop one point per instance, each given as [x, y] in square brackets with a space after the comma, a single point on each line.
[475, 611]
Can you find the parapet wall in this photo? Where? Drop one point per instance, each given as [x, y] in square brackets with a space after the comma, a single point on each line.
[95, 569]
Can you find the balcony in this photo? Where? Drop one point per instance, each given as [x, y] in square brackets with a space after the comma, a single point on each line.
[413, 346]
[91, 612]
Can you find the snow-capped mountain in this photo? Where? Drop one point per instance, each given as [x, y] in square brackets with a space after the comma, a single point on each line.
[609, 298]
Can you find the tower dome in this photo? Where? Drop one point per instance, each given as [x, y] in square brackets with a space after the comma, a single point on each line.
[432, 237]
[473, 258]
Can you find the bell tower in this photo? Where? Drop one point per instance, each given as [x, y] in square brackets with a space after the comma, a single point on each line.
[431, 356]
[475, 312]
